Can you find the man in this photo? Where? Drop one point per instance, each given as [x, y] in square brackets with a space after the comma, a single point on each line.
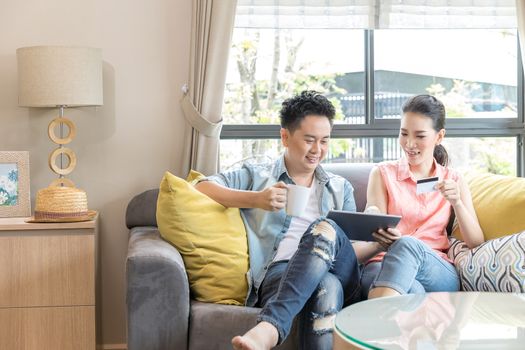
[296, 263]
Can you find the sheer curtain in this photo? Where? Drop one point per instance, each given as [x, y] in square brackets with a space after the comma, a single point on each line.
[520, 10]
[375, 14]
[212, 26]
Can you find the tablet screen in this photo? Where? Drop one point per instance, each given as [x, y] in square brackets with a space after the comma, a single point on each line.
[360, 226]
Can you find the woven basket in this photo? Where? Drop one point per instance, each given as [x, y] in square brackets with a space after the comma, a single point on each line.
[62, 204]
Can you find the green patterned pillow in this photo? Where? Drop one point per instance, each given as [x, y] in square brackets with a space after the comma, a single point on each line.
[498, 265]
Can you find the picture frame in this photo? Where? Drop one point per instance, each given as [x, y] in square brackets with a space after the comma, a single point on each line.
[15, 200]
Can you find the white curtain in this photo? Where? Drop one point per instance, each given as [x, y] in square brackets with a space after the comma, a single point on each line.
[212, 26]
[520, 10]
[375, 14]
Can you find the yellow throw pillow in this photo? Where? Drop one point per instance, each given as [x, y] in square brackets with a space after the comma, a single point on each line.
[210, 238]
[499, 202]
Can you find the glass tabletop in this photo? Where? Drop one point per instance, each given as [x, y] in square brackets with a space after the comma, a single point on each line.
[463, 320]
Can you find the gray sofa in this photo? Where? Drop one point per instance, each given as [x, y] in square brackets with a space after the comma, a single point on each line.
[161, 314]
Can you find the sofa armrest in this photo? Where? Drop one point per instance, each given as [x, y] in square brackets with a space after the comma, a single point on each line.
[142, 209]
[158, 296]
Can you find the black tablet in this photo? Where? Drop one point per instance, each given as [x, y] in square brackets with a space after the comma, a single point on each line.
[360, 226]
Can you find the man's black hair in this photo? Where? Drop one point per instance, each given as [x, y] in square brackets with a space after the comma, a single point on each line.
[308, 102]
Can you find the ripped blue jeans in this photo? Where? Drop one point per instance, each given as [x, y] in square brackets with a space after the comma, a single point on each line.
[321, 277]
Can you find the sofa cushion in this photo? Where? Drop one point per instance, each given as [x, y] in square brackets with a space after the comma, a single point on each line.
[357, 174]
[499, 202]
[497, 265]
[211, 239]
[206, 333]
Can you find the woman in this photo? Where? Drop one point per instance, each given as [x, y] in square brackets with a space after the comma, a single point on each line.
[415, 260]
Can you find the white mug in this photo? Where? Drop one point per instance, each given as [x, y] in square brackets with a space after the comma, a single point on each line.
[296, 199]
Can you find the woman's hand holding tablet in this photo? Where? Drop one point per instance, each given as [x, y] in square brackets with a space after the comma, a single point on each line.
[386, 237]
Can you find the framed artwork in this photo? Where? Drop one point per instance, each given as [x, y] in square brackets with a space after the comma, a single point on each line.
[14, 184]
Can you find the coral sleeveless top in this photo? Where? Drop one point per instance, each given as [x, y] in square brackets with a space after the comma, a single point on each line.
[424, 216]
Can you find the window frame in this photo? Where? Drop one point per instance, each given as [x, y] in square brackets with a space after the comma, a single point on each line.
[503, 127]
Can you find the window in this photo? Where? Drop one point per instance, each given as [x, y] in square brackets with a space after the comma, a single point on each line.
[267, 66]
[368, 74]
[473, 72]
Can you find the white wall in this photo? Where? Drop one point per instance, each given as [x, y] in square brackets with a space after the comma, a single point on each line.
[122, 147]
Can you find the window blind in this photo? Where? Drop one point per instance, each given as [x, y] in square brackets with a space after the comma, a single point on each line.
[375, 14]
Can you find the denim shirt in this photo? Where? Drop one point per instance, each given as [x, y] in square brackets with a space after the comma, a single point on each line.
[266, 229]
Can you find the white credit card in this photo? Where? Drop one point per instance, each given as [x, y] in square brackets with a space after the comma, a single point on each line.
[426, 185]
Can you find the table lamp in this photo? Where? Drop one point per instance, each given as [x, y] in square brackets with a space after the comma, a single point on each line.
[60, 77]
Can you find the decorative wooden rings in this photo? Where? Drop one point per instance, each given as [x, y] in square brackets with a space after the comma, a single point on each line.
[72, 160]
[62, 182]
[62, 150]
[65, 140]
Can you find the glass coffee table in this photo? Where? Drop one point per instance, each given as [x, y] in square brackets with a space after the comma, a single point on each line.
[463, 320]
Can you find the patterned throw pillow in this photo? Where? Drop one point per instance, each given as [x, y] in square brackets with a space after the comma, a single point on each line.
[498, 265]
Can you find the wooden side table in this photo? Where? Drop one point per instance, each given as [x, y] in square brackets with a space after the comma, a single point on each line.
[47, 284]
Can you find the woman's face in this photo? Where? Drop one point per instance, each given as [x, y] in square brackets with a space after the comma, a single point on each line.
[418, 138]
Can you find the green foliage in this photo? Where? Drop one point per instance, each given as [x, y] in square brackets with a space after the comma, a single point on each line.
[495, 165]
[339, 147]
[249, 101]
[493, 153]
[488, 155]
[258, 101]
[8, 199]
[457, 99]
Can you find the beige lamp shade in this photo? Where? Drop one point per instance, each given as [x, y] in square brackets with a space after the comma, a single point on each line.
[50, 76]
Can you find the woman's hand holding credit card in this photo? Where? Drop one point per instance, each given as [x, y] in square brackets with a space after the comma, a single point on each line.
[450, 190]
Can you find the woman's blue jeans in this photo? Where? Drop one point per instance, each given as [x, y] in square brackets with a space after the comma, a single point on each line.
[321, 277]
[410, 267]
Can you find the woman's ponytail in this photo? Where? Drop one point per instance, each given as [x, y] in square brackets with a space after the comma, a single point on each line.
[441, 155]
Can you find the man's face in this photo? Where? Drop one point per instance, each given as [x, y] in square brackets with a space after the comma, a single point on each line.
[307, 145]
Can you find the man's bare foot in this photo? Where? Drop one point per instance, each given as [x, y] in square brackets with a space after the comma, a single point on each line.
[379, 292]
[264, 336]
